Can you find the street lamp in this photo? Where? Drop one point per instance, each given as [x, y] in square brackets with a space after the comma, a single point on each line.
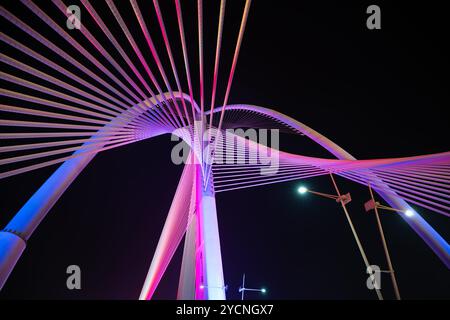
[242, 289]
[302, 190]
[374, 205]
[343, 199]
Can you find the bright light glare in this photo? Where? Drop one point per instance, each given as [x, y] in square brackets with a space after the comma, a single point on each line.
[202, 286]
[302, 190]
[263, 290]
[409, 213]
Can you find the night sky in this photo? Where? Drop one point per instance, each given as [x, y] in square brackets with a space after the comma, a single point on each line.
[376, 93]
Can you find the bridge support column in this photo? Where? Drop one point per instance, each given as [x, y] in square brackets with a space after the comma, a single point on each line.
[204, 230]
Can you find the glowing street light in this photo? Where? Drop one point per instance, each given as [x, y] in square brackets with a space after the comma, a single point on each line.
[409, 213]
[302, 190]
[373, 205]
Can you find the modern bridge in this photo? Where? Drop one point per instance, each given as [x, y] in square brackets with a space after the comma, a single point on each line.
[73, 113]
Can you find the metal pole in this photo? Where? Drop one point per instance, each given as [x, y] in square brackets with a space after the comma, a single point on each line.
[355, 235]
[386, 251]
[243, 287]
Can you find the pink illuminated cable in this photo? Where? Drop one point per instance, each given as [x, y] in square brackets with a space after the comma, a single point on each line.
[421, 184]
[38, 155]
[444, 171]
[32, 85]
[185, 55]
[33, 146]
[45, 61]
[422, 192]
[269, 179]
[35, 72]
[98, 46]
[216, 72]
[217, 60]
[251, 167]
[257, 184]
[233, 65]
[57, 105]
[155, 55]
[417, 173]
[201, 73]
[61, 32]
[31, 32]
[407, 196]
[58, 94]
[218, 179]
[140, 56]
[172, 61]
[407, 187]
[40, 113]
[53, 80]
[54, 125]
[36, 124]
[105, 54]
[101, 50]
[37, 135]
[420, 181]
[55, 115]
[84, 30]
[163, 117]
[6, 108]
[389, 187]
[59, 160]
[235, 58]
[412, 175]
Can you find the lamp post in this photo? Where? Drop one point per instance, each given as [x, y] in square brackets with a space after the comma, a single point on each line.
[242, 289]
[373, 205]
[343, 199]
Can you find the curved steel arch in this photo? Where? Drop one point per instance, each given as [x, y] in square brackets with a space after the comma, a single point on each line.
[20, 228]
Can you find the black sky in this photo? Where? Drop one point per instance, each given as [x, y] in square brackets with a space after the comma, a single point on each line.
[377, 93]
